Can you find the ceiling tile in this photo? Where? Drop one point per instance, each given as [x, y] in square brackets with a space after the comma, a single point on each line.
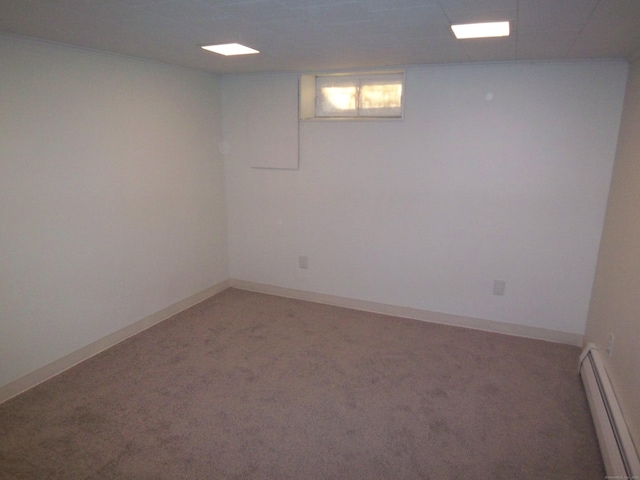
[313, 3]
[261, 11]
[336, 14]
[435, 50]
[546, 45]
[424, 16]
[490, 49]
[189, 12]
[451, 6]
[612, 27]
[485, 16]
[328, 34]
[550, 15]
[375, 5]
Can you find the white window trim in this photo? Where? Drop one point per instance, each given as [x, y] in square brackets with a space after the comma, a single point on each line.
[309, 96]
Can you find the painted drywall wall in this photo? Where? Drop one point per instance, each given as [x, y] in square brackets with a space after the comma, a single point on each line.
[615, 302]
[112, 199]
[497, 171]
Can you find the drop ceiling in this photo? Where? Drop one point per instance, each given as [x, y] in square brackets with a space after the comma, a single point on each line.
[325, 35]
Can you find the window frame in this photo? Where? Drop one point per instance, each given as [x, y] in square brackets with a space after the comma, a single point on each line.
[310, 95]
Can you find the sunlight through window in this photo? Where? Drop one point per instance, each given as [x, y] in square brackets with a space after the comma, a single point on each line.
[338, 99]
[381, 96]
[355, 96]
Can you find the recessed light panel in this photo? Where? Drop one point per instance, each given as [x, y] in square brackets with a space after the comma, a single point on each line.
[481, 30]
[228, 49]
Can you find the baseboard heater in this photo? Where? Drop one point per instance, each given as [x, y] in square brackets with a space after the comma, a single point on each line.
[618, 452]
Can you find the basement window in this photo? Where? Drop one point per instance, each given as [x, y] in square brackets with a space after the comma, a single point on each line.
[352, 96]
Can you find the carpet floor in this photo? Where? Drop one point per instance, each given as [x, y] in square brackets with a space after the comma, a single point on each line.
[252, 386]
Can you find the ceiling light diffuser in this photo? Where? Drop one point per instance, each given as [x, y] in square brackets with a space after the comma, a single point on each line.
[228, 49]
[481, 30]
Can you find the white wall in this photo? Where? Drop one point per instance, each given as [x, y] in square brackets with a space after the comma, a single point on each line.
[112, 199]
[497, 171]
[615, 302]
[112, 194]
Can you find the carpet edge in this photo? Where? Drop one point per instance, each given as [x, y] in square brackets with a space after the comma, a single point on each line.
[30, 380]
[555, 336]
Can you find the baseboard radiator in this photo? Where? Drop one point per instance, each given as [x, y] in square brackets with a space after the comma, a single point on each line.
[618, 452]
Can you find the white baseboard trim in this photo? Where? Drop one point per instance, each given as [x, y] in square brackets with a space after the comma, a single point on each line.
[416, 314]
[616, 445]
[32, 379]
[46, 372]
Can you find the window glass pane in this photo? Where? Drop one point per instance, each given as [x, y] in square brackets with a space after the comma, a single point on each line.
[338, 99]
[381, 96]
[359, 95]
[337, 96]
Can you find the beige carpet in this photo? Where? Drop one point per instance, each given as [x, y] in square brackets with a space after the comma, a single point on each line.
[250, 386]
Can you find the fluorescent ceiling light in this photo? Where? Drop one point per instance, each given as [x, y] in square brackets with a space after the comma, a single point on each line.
[481, 30]
[230, 49]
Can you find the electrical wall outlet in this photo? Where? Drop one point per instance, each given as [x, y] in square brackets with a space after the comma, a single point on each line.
[303, 262]
[499, 287]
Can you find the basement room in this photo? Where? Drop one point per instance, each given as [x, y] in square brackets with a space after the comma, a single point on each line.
[319, 239]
